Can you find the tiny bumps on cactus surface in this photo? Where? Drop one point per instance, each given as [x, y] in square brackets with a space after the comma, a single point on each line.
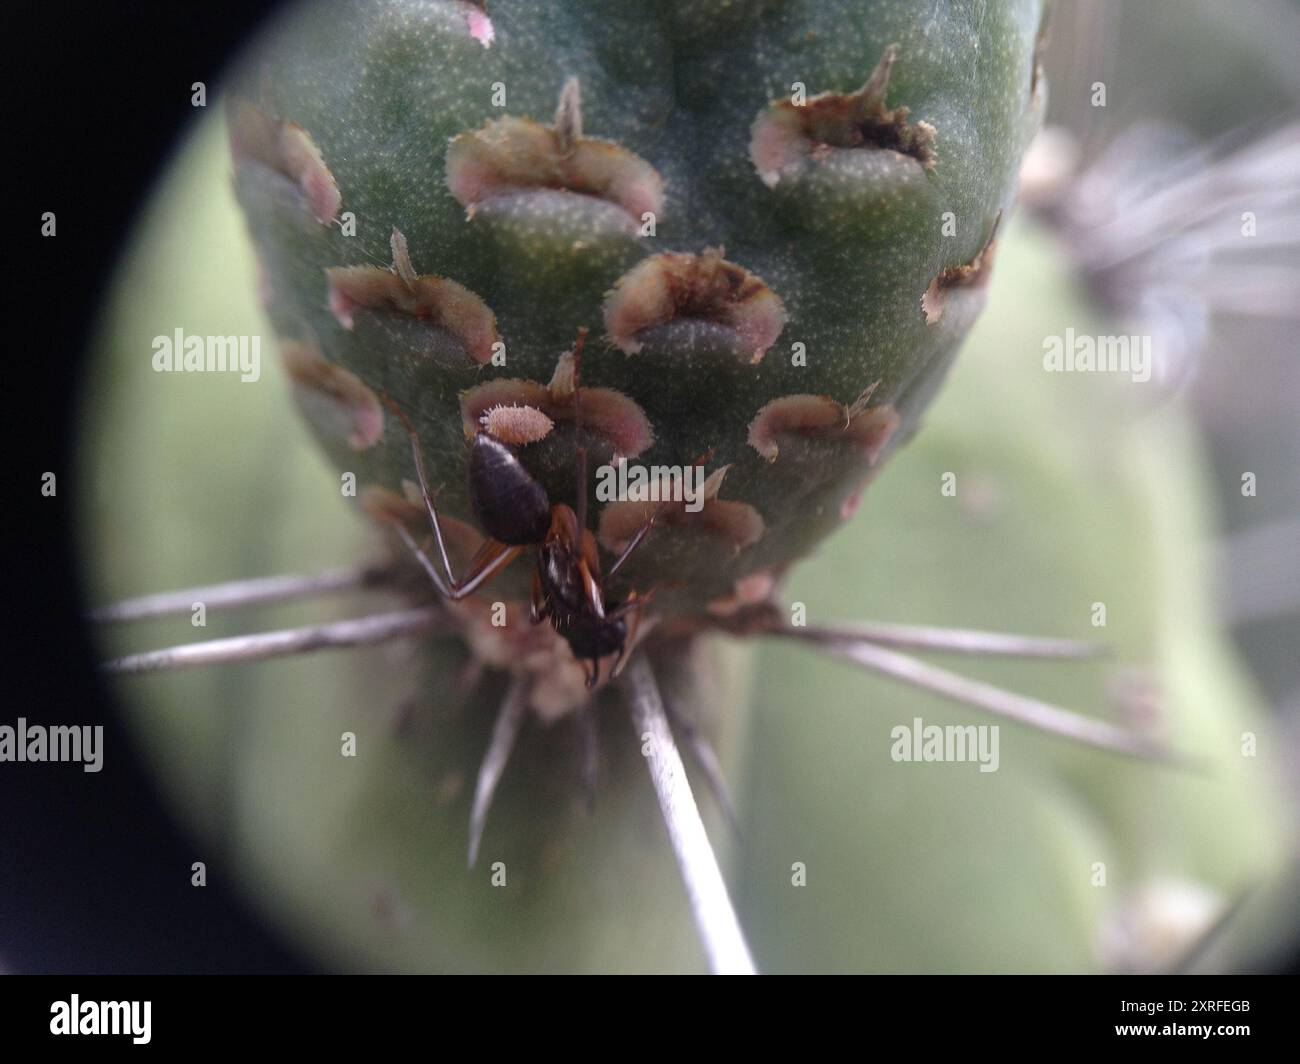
[775, 218]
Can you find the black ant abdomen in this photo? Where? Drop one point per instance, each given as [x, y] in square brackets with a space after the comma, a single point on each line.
[510, 505]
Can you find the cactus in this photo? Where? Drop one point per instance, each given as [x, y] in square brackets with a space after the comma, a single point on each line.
[776, 221]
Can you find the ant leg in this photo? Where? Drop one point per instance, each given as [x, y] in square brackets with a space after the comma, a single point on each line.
[635, 605]
[500, 557]
[581, 474]
[424, 484]
[637, 539]
[490, 560]
[489, 549]
[537, 601]
[580, 448]
[644, 530]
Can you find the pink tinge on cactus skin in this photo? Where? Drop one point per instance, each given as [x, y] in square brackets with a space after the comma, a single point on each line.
[852, 503]
[870, 427]
[736, 523]
[288, 149]
[461, 539]
[787, 133]
[972, 276]
[753, 590]
[704, 287]
[480, 27]
[440, 302]
[321, 383]
[512, 156]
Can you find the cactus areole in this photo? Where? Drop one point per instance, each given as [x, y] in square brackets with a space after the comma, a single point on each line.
[773, 219]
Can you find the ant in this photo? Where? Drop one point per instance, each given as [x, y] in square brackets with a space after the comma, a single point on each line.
[516, 513]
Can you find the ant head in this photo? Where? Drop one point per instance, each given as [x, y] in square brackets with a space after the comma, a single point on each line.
[596, 640]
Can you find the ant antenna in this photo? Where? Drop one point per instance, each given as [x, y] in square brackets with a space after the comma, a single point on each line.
[581, 449]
